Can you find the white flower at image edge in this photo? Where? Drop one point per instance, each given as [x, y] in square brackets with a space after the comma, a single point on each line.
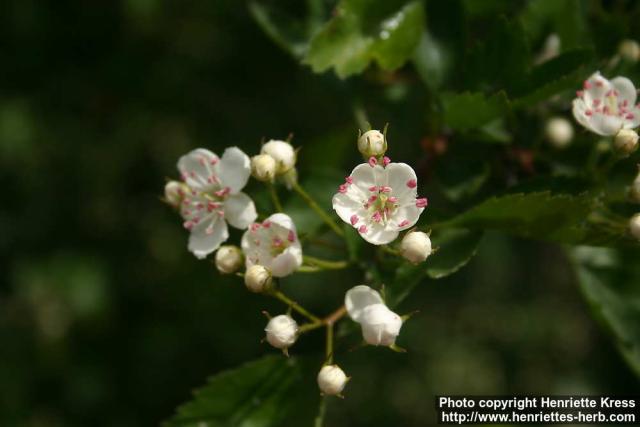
[274, 244]
[215, 198]
[379, 201]
[607, 106]
[380, 326]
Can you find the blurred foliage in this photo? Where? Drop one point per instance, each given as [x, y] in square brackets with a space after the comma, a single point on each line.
[106, 319]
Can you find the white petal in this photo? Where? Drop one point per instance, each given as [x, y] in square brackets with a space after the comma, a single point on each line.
[358, 298]
[346, 206]
[399, 174]
[635, 121]
[283, 220]
[599, 86]
[379, 234]
[626, 89]
[207, 236]
[239, 210]
[605, 125]
[288, 261]
[407, 212]
[380, 326]
[197, 166]
[579, 109]
[364, 176]
[235, 168]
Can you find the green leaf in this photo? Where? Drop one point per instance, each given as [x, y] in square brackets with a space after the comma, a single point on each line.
[285, 31]
[467, 111]
[269, 392]
[609, 282]
[365, 30]
[563, 17]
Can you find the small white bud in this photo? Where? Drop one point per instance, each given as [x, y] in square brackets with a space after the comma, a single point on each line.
[173, 193]
[380, 326]
[257, 278]
[634, 191]
[263, 167]
[416, 246]
[331, 380]
[283, 153]
[372, 144]
[559, 132]
[634, 226]
[629, 50]
[282, 331]
[229, 259]
[626, 141]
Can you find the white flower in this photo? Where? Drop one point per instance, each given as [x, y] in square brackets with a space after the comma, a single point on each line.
[379, 201]
[174, 191]
[604, 107]
[214, 197]
[634, 226]
[257, 278]
[380, 326]
[331, 380]
[263, 167]
[629, 50]
[229, 259]
[626, 141]
[273, 244]
[559, 132]
[282, 331]
[282, 152]
[372, 143]
[416, 246]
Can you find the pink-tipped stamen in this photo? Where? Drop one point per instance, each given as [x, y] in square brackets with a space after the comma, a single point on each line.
[386, 161]
[348, 180]
[372, 161]
[403, 223]
[362, 229]
[412, 183]
[354, 219]
[422, 203]
[291, 236]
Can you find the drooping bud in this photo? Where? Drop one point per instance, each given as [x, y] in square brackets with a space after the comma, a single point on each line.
[416, 246]
[229, 259]
[282, 331]
[626, 141]
[559, 132]
[283, 153]
[263, 167]
[331, 380]
[634, 191]
[257, 278]
[380, 326]
[629, 50]
[174, 193]
[634, 226]
[372, 144]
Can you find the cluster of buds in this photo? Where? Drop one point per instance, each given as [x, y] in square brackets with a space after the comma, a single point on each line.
[276, 159]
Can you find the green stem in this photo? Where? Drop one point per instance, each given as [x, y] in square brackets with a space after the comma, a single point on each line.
[321, 213]
[295, 306]
[329, 352]
[325, 264]
[310, 326]
[274, 197]
[389, 250]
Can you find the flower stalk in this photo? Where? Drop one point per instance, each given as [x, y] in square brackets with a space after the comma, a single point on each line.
[318, 210]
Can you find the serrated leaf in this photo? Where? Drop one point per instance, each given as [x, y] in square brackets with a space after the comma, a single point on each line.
[609, 282]
[270, 392]
[465, 111]
[363, 31]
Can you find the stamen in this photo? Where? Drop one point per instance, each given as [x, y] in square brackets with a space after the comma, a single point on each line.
[373, 188]
[385, 189]
[586, 85]
[372, 161]
[377, 217]
[188, 225]
[373, 198]
[354, 219]
[403, 223]
[596, 102]
[386, 161]
[348, 180]
[362, 229]
[412, 183]
[266, 223]
[255, 226]
[421, 203]
[342, 188]
[579, 93]
[291, 236]
[223, 192]
[392, 199]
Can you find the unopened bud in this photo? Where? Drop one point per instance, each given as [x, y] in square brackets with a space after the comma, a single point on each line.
[283, 153]
[416, 246]
[263, 167]
[257, 278]
[282, 331]
[629, 50]
[626, 141]
[174, 193]
[634, 226]
[380, 326]
[372, 144]
[559, 132]
[634, 191]
[229, 259]
[331, 380]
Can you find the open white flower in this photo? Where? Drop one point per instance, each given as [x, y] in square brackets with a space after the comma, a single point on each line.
[273, 244]
[380, 201]
[380, 326]
[215, 198]
[607, 106]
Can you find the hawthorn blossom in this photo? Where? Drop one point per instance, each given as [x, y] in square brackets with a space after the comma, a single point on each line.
[213, 197]
[379, 200]
[274, 244]
[607, 106]
[380, 325]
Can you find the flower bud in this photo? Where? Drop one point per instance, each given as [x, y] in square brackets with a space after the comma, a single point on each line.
[257, 278]
[380, 326]
[629, 50]
[559, 132]
[634, 191]
[416, 246]
[372, 144]
[331, 380]
[634, 226]
[282, 152]
[229, 259]
[263, 167]
[173, 193]
[282, 331]
[626, 141]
